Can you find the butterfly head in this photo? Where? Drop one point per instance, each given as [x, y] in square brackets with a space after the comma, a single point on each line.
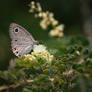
[35, 42]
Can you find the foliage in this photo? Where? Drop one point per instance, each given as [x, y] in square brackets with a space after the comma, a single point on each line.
[59, 75]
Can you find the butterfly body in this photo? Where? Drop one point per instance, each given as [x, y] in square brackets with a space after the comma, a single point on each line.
[22, 41]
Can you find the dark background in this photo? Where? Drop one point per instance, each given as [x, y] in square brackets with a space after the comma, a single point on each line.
[68, 12]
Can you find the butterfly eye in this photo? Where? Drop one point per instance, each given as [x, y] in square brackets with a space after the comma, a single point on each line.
[16, 30]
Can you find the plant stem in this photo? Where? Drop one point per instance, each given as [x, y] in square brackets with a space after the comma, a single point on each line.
[5, 87]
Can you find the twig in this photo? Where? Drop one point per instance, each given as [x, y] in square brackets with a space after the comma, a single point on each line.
[5, 87]
[8, 87]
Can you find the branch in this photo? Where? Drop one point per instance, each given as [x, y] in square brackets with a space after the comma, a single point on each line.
[5, 87]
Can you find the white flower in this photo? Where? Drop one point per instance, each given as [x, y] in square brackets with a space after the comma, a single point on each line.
[39, 7]
[51, 15]
[39, 51]
[54, 32]
[39, 48]
[43, 24]
[55, 22]
[60, 27]
[32, 2]
[47, 19]
[43, 54]
[30, 57]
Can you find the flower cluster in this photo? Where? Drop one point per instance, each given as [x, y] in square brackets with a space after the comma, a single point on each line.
[47, 20]
[39, 51]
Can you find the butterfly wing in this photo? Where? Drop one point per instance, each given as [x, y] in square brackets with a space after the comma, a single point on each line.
[22, 41]
[21, 47]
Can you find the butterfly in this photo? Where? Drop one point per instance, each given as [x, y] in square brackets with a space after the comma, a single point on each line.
[22, 41]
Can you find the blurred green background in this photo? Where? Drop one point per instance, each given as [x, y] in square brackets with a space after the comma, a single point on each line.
[74, 14]
[66, 11]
